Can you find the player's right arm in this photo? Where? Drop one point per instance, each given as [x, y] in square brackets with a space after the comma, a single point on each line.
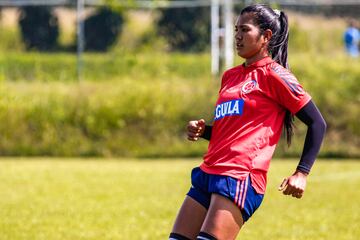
[197, 129]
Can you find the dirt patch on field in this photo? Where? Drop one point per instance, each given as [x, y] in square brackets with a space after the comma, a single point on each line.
[9, 17]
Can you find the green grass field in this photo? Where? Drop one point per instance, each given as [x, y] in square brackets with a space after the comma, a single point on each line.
[53, 199]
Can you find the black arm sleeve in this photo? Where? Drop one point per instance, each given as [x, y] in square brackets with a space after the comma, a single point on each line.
[311, 116]
[207, 132]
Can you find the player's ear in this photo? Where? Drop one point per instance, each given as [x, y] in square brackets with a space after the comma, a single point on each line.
[267, 35]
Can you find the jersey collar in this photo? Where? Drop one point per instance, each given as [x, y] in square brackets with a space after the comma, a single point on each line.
[260, 63]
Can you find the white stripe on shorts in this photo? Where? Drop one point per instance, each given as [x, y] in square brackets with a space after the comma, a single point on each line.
[245, 191]
[237, 191]
[240, 193]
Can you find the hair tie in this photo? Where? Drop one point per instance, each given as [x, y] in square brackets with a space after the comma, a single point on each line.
[277, 12]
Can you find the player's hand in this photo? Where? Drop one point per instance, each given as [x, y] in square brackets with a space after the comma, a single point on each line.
[195, 129]
[294, 185]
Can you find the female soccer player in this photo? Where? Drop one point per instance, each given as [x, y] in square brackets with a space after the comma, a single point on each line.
[255, 100]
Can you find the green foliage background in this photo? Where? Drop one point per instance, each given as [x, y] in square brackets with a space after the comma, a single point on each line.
[187, 29]
[137, 102]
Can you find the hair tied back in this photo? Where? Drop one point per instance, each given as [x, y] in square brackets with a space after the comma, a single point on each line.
[277, 12]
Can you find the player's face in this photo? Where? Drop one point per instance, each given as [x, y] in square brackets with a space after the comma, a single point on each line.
[249, 41]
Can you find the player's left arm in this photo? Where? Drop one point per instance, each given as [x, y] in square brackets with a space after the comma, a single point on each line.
[311, 116]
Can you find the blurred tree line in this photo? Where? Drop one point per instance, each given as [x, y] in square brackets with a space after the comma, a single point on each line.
[185, 29]
[40, 28]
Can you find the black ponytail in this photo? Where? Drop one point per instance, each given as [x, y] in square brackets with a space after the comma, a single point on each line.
[278, 45]
[277, 22]
[279, 53]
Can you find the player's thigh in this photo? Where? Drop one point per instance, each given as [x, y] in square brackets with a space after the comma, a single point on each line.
[190, 218]
[223, 219]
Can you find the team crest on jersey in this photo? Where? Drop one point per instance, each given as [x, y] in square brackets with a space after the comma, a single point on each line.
[249, 86]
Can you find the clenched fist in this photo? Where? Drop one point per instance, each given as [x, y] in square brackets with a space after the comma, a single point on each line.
[195, 129]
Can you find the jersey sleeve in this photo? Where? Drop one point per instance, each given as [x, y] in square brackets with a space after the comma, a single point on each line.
[286, 90]
[224, 79]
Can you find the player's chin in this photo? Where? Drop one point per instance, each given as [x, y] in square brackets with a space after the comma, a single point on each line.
[239, 52]
[242, 53]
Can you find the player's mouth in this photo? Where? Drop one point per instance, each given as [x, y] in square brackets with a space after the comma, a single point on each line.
[239, 45]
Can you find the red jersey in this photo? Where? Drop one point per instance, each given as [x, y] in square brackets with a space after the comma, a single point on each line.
[249, 118]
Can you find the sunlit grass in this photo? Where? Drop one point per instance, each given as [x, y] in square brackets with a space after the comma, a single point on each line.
[138, 199]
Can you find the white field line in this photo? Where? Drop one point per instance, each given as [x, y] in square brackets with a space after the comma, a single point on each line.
[337, 176]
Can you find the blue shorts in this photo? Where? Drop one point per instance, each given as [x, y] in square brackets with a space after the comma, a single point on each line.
[240, 192]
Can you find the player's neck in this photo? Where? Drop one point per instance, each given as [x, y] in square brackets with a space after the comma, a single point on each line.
[256, 57]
